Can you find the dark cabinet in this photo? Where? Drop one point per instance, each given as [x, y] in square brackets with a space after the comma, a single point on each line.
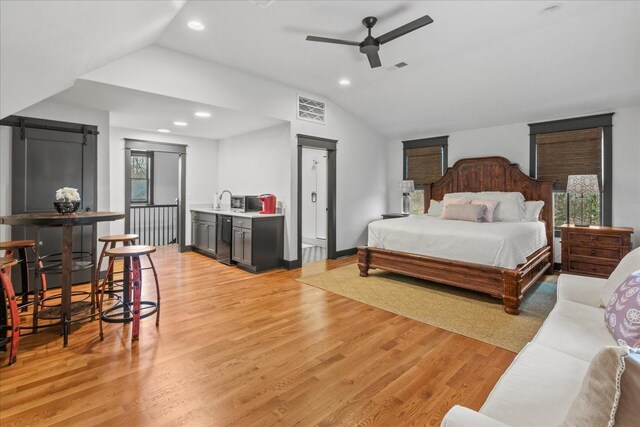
[258, 242]
[203, 231]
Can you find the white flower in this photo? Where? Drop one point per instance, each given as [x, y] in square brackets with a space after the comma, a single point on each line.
[68, 194]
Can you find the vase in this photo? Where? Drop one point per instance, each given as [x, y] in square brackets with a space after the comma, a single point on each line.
[406, 203]
[66, 207]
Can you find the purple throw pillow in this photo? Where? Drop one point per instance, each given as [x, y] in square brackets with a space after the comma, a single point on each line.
[622, 315]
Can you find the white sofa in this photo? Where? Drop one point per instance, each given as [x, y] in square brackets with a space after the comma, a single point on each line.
[543, 380]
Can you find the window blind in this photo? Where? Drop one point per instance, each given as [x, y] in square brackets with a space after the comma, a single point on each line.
[424, 164]
[576, 152]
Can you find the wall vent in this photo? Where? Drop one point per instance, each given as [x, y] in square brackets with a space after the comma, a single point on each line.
[311, 110]
[262, 4]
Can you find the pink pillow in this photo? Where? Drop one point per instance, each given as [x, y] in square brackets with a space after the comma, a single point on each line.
[456, 201]
[491, 206]
[622, 315]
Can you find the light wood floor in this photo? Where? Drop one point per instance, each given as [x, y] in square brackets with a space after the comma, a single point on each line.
[239, 349]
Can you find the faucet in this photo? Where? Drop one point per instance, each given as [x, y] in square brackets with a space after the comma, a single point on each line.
[222, 194]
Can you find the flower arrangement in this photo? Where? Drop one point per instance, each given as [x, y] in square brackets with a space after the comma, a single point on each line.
[67, 194]
[67, 200]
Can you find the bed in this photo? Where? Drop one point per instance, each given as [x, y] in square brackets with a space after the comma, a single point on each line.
[512, 258]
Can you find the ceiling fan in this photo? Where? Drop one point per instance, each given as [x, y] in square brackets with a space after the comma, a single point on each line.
[370, 45]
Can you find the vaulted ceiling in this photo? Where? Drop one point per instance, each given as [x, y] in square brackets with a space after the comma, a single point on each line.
[478, 64]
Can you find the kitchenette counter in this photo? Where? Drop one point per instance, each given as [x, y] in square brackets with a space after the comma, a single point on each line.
[206, 208]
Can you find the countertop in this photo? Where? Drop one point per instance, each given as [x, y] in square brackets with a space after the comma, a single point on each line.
[208, 209]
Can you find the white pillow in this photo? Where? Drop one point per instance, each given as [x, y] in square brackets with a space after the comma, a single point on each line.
[629, 264]
[532, 210]
[435, 208]
[510, 209]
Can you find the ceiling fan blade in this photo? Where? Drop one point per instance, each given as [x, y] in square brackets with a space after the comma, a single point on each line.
[328, 40]
[405, 29]
[374, 59]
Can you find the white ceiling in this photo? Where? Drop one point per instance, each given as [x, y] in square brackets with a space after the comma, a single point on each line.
[46, 45]
[479, 64]
[149, 112]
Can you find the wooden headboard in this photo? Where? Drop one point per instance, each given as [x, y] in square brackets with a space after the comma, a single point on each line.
[493, 174]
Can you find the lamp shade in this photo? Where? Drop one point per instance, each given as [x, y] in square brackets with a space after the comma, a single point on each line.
[407, 186]
[583, 184]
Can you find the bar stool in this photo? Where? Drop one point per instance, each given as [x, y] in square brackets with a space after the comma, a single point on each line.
[110, 243]
[20, 246]
[8, 296]
[132, 253]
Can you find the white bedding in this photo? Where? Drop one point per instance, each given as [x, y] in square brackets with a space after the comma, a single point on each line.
[498, 244]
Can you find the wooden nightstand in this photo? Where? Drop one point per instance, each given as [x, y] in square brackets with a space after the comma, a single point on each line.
[393, 215]
[595, 250]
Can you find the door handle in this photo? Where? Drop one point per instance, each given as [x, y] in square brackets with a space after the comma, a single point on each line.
[314, 197]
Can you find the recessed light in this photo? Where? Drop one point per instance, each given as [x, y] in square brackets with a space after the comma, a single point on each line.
[552, 8]
[344, 82]
[180, 123]
[164, 130]
[203, 114]
[195, 25]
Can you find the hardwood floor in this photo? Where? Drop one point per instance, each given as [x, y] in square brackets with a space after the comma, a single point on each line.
[239, 349]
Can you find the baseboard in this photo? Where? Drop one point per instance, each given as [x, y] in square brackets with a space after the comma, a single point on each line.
[291, 265]
[346, 252]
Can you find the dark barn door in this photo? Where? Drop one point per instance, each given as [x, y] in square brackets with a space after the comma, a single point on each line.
[43, 161]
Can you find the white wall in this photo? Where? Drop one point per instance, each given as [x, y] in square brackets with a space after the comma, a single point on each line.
[166, 178]
[512, 142]
[361, 183]
[202, 162]
[67, 113]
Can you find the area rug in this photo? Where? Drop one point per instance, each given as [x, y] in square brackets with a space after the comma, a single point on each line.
[468, 313]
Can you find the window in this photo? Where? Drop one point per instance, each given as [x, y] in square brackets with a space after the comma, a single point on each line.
[425, 161]
[141, 177]
[580, 146]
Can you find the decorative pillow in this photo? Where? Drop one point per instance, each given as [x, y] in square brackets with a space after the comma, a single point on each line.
[597, 400]
[435, 208]
[510, 209]
[532, 210]
[491, 206]
[473, 213]
[622, 315]
[629, 264]
[454, 200]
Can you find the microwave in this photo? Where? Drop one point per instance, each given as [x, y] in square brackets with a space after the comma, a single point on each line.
[245, 204]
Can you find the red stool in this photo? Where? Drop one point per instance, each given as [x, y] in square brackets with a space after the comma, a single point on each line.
[9, 297]
[136, 306]
[110, 243]
[20, 246]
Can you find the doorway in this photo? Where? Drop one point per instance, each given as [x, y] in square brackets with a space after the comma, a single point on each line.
[316, 199]
[154, 190]
[314, 205]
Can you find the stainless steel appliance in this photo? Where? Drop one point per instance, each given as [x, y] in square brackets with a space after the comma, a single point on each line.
[223, 239]
[245, 203]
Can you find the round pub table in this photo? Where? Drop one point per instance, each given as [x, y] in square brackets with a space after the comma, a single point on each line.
[67, 222]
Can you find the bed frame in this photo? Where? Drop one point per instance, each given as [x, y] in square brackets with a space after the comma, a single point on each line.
[474, 175]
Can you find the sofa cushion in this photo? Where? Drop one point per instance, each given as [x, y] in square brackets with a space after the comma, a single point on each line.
[629, 264]
[581, 289]
[622, 315]
[575, 329]
[628, 412]
[539, 377]
[597, 401]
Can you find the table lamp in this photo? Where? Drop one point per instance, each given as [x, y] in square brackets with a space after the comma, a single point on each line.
[406, 187]
[581, 185]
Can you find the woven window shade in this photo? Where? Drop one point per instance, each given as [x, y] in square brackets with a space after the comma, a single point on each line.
[576, 152]
[424, 165]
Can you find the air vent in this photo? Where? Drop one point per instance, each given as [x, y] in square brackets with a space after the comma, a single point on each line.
[263, 4]
[396, 66]
[311, 110]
